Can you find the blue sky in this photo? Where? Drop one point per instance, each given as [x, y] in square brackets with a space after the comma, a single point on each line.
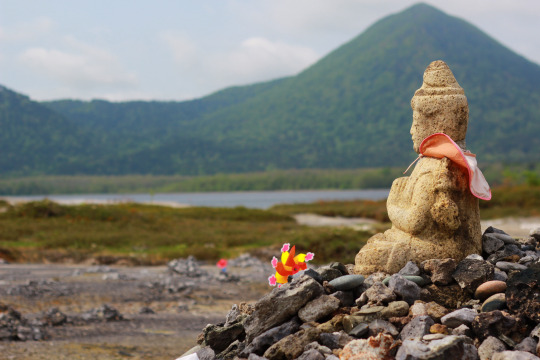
[182, 49]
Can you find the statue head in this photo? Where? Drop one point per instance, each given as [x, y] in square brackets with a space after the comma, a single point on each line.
[439, 106]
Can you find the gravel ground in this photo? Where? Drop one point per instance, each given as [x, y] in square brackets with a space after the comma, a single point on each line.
[182, 306]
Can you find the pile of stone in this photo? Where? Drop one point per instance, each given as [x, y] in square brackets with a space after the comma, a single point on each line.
[15, 327]
[40, 288]
[186, 267]
[483, 307]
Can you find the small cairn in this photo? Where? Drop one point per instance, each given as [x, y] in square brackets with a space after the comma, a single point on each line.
[482, 307]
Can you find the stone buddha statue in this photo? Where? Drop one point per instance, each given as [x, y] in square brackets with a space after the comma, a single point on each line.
[433, 212]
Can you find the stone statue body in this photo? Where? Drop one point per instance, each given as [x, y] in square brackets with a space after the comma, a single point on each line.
[433, 213]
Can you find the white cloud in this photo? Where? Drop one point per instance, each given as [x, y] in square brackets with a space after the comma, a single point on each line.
[28, 30]
[258, 59]
[82, 66]
[182, 48]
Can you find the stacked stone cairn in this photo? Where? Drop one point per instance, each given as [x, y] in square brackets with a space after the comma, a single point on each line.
[484, 307]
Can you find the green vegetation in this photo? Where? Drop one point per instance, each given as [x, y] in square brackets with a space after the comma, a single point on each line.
[308, 179]
[271, 180]
[349, 110]
[145, 234]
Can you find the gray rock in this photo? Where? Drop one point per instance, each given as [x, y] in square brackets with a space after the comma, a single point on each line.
[359, 330]
[410, 268]
[505, 252]
[526, 260]
[375, 277]
[491, 230]
[417, 328]
[514, 355]
[345, 298]
[535, 333]
[311, 354]
[380, 294]
[490, 346]
[528, 344]
[347, 282]
[328, 274]
[293, 345]
[188, 267]
[219, 338]
[462, 330]
[335, 340]
[55, 317]
[320, 307]
[459, 317]
[470, 274]
[491, 244]
[535, 233]
[500, 275]
[280, 305]
[441, 270]
[378, 326]
[494, 302]
[395, 309]
[431, 337]
[206, 353]
[315, 275]
[507, 239]
[339, 266]
[406, 289]
[475, 257]
[255, 357]
[507, 266]
[450, 347]
[231, 352]
[418, 280]
[265, 340]
[320, 348]
[362, 300]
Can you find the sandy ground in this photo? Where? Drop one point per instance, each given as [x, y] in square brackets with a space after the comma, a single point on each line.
[179, 315]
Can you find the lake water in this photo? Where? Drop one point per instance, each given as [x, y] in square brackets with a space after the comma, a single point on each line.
[249, 199]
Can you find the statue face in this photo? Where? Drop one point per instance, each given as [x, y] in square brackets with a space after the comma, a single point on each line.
[438, 114]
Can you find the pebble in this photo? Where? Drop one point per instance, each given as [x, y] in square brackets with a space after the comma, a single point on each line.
[528, 344]
[347, 282]
[507, 239]
[507, 266]
[489, 288]
[496, 318]
[514, 355]
[494, 302]
[408, 290]
[430, 337]
[395, 309]
[500, 275]
[410, 268]
[459, 317]
[418, 280]
[439, 329]
[359, 330]
[490, 346]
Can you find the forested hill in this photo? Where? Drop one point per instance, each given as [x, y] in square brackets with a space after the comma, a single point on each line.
[351, 109]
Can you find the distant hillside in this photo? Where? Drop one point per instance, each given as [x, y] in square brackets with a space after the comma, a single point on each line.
[351, 109]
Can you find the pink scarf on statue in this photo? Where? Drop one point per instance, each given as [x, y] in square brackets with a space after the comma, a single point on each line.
[440, 145]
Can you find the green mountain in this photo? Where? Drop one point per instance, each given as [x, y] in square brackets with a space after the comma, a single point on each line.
[351, 109]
